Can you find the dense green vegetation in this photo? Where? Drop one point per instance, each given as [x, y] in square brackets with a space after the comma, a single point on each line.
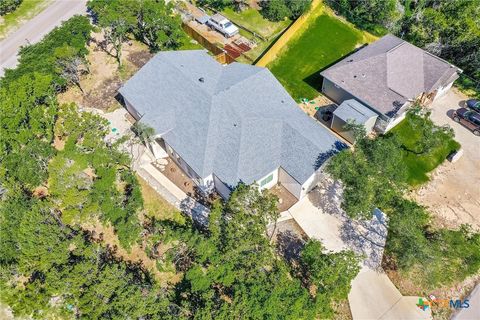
[273, 10]
[375, 174]
[7, 6]
[237, 272]
[424, 148]
[449, 29]
[150, 21]
[325, 40]
[277, 10]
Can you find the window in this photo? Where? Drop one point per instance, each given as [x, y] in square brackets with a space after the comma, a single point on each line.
[266, 180]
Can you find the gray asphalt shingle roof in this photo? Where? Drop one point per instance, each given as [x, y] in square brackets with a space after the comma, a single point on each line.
[353, 110]
[389, 72]
[235, 121]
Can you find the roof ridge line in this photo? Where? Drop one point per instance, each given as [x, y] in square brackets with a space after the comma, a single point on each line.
[260, 69]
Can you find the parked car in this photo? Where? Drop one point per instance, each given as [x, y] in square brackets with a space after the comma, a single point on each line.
[469, 119]
[222, 25]
[473, 104]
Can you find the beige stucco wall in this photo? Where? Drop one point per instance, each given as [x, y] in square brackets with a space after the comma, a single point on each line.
[289, 183]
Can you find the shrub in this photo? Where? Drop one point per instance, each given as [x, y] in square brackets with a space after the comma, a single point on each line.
[297, 7]
[7, 6]
[275, 10]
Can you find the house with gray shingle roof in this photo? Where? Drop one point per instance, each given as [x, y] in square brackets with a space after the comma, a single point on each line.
[388, 76]
[225, 124]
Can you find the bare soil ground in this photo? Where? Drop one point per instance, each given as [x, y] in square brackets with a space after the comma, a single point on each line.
[100, 86]
[452, 192]
[136, 255]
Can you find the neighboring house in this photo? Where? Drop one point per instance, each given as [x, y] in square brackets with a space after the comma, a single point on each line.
[388, 76]
[228, 124]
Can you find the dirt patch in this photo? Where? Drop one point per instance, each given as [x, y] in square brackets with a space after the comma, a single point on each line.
[136, 255]
[285, 199]
[101, 85]
[451, 195]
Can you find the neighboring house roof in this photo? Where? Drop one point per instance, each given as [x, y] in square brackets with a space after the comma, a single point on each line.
[389, 72]
[235, 121]
[354, 110]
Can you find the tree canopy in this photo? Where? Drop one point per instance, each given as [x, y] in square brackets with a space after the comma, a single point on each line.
[150, 21]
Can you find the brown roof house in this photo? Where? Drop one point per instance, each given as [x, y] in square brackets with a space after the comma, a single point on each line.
[387, 76]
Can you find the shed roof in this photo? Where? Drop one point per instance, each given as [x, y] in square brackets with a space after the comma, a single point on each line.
[389, 72]
[354, 110]
[235, 121]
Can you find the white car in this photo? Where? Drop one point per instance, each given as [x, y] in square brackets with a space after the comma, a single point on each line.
[222, 25]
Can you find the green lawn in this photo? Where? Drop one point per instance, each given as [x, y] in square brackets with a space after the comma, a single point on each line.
[25, 11]
[254, 21]
[325, 40]
[419, 165]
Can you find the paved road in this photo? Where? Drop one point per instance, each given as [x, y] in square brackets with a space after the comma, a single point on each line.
[36, 28]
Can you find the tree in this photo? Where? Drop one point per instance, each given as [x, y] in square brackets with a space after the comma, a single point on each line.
[117, 19]
[274, 10]
[70, 65]
[330, 273]
[7, 6]
[27, 132]
[157, 27]
[372, 174]
[297, 7]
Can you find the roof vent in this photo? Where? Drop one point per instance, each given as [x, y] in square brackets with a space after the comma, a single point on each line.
[202, 79]
[355, 76]
[363, 75]
[234, 124]
[351, 60]
[283, 101]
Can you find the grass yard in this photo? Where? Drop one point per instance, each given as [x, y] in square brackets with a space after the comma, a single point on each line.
[325, 40]
[254, 21]
[419, 165]
[25, 11]
[156, 206]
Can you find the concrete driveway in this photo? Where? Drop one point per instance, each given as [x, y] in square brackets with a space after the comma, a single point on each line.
[373, 295]
[473, 312]
[452, 193]
[35, 29]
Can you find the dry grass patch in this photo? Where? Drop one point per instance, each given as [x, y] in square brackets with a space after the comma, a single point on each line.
[157, 207]
[100, 86]
[136, 255]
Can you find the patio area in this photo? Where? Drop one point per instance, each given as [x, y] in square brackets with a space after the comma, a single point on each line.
[319, 108]
[176, 175]
[285, 198]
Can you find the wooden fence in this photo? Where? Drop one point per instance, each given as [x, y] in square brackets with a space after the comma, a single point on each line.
[287, 35]
[220, 54]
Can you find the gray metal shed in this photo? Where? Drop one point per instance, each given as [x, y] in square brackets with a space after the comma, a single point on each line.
[352, 110]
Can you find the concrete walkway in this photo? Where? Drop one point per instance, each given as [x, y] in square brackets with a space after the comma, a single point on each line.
[142, 159]
[373, 295]
[472, 312]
